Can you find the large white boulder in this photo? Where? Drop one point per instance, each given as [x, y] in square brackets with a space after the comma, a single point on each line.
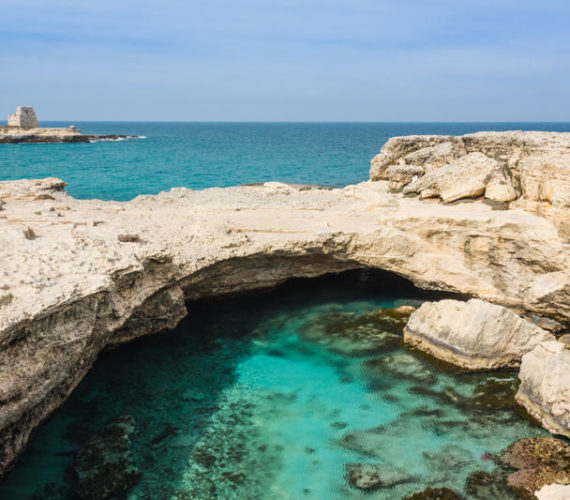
[475, 334]
[545, 386]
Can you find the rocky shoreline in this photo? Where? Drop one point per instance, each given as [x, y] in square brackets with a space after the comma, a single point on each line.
[78, 276]
[15, 135]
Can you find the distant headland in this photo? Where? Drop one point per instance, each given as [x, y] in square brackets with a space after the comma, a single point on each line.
[23, 127]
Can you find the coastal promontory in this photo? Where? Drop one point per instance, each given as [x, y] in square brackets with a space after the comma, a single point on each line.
[23, 127]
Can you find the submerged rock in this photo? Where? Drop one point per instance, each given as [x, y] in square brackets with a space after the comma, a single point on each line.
[540, 461]
[484, 485]
[235, 457]
[474, 334]
[434, 494]
[105, 467]
[544, 390]
[353, 334]
[450, 459]
[374, 476]
[402, 366]
[493, 395]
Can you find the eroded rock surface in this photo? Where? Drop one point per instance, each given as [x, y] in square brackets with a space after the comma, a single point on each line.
[470, 176]
[474, 334]
[538, 462]
[545, 386]
[76, 288]
[532, 168]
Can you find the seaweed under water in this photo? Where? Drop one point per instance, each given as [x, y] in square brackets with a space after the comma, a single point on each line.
[287, 394]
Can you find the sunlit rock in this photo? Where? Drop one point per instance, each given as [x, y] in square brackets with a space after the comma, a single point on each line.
[467, 177]
[553, 492]
[545, 386]
[474, 334]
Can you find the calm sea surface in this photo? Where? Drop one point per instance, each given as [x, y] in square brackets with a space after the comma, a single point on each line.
[201, 155]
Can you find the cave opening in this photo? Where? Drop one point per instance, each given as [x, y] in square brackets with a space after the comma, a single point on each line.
[292, 391]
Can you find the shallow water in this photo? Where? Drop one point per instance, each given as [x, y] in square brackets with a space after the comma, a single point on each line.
[201, 155]
[263, 397]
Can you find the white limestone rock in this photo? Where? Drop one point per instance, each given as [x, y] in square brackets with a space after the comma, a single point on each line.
[545, 386]
[553, 492]
[475, 334]
[470, 176]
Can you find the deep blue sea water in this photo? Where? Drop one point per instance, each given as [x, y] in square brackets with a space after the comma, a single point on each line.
[270, 397]
[201, 155]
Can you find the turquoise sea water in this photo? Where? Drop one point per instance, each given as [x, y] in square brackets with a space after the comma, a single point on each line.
[200, 155]
[270, 396]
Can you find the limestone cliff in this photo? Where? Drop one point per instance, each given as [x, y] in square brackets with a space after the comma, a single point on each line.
[77, 276]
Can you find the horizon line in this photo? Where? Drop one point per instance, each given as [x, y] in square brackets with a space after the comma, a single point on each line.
[309, 121]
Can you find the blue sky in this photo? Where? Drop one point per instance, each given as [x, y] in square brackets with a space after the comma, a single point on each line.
[287, 60]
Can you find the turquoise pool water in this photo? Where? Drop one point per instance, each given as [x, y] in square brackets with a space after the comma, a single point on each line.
[200, 155]
[271, 396]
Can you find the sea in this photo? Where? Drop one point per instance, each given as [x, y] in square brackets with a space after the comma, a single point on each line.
[202, 155]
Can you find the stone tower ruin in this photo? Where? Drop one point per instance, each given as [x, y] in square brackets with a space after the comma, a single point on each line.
[25, 117]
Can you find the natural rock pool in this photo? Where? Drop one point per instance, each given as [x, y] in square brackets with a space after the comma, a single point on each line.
[272, 396]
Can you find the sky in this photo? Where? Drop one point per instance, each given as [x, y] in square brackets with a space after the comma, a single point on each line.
[286, 60]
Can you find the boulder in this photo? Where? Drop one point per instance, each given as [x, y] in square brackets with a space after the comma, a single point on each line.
[470, 176]
[475, 334]
[105, 467]
[544, 390]
[546, 178]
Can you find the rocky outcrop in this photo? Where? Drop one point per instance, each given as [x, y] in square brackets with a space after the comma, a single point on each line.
[529, 169]
[16, 135]
[77, 287]
[470, 176]
[545, 386]
[538, 462]
[475, 334]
